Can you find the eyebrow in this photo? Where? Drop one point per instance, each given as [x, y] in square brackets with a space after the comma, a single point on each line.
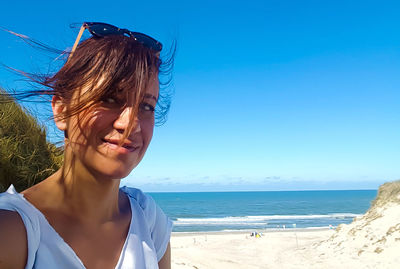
[147, 95]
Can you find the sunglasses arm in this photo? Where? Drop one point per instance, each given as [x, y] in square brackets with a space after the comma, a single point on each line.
[76, 41]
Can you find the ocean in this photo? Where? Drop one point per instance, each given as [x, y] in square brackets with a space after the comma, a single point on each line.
[227, 211]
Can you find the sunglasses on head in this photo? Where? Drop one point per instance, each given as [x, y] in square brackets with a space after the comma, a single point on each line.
[100, 29]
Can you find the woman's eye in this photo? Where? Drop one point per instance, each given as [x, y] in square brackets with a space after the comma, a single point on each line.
[147, 107]
[109, 100]
[112, 101]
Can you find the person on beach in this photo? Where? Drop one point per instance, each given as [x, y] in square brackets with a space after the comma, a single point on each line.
[106, 100]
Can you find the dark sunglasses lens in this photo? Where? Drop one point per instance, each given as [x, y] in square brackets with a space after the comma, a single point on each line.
[102, 29]
[148, 41]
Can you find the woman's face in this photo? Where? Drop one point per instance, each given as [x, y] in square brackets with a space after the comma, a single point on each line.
[95, 135]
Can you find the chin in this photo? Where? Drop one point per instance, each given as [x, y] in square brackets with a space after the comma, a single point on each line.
[117, 174]
[108, 171]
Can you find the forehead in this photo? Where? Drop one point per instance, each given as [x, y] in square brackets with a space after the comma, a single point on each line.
[99, 89]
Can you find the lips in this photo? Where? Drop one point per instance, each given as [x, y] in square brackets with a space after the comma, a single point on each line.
[114, 144]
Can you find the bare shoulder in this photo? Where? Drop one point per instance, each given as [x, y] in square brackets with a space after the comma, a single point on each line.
[13, 243]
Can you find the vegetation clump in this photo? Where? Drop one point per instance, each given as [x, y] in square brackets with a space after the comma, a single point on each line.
[26, 157]
[388, 192]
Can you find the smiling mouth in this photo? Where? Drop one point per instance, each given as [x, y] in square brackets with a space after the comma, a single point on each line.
[114, 145]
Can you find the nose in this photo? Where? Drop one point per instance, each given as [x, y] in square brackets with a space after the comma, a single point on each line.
[124, 119]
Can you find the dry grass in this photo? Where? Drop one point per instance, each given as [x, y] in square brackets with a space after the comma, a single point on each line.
[388, 192]
[26, 157]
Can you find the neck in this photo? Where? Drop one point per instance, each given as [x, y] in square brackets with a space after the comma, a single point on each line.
[84, 195]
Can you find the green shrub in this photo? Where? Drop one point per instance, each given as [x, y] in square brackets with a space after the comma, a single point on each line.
[26, 157]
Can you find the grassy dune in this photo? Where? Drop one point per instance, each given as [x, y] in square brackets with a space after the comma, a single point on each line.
[26, 158]
[372, 240]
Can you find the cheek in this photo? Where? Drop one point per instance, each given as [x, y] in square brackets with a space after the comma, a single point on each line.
[147, 128]
[98, 120]
[84, 128]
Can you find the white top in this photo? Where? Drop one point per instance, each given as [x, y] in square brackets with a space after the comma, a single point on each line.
[146, 242]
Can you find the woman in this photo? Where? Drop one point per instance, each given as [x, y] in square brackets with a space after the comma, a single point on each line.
[104, 100]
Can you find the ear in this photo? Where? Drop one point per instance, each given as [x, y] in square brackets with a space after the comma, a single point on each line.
[59, 109]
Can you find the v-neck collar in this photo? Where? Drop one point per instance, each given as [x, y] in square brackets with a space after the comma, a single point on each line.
[65, 244]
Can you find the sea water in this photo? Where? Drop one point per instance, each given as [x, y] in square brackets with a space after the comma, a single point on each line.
[221, 211]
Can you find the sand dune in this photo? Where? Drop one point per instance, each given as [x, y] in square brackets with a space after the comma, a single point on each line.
[372, 240]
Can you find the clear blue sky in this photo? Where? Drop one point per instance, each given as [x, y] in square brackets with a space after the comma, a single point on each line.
[269, 95]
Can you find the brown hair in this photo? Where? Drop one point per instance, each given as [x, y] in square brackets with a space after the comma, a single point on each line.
[106, 66]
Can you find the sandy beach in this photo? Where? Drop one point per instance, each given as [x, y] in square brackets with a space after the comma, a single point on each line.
[279, 249]
[273, 250]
